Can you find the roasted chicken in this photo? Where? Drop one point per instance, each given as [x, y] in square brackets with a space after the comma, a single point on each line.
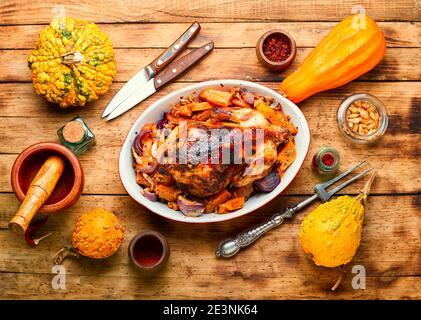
[202, 148]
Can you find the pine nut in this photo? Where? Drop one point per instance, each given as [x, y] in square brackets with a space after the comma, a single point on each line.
[355, 120]
[374, 115]
[353, 115]
[362, 117]
[364, 113]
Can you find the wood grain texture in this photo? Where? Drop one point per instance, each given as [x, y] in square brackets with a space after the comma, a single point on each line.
[392, 266]
[240, 35]
[275, 267]
[398, 64]
[402, 100]
[115, 11]
[23, 286]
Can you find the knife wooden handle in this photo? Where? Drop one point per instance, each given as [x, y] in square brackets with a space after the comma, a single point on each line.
[179, 66]
[179, 45]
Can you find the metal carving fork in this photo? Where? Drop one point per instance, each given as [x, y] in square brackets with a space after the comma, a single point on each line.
[230, 247]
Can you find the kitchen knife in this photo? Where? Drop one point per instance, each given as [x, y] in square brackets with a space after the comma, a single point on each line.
[175, 69]
[152, 69]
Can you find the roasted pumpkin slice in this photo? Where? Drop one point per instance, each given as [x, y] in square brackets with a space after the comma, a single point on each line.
[286, 157]
[275, 116]
[217, 97]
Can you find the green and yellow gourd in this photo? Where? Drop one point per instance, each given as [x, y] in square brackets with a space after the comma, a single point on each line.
[331, 233]
[73, 63]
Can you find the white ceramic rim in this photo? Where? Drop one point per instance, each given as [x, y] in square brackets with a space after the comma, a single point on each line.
[127, 175]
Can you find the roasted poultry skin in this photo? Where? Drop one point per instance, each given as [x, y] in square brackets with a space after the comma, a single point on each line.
[215, 145]
[206, 178]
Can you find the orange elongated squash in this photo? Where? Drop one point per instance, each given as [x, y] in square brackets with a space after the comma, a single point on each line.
[351, 49]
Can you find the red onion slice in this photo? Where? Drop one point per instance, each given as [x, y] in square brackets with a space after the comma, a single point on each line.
[150, 167]
[248, 97]
[136, 157]
[162, 122]
[151, 196]
[190, 208]
[138, 143]
[268, 183]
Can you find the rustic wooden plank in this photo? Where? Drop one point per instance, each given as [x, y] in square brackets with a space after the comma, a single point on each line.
[241, 35]
[275, 264]
[398, 64]
[30, 286]
[16, 12]
[276, 267]
[101, 171]
[402, 100]
[20, 100]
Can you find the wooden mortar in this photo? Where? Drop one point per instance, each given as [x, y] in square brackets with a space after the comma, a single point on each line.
[39, 191]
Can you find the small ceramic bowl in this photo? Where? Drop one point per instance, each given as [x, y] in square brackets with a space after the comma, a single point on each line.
[271, 64]
[149, 251]
[68, 188]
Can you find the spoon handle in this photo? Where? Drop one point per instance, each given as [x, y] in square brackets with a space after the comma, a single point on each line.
[230, 247]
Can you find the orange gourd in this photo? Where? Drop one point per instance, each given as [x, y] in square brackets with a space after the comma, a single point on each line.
[351, 49]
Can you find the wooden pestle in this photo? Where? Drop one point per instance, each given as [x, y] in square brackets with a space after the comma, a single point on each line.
[39, 191]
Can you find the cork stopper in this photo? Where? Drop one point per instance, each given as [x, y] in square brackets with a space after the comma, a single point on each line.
[73, 131]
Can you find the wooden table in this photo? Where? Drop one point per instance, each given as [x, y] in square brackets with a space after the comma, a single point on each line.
[275, 268]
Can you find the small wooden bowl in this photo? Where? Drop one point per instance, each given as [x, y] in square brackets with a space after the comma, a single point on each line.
[271, 64]
[149, 251]
[68, 188]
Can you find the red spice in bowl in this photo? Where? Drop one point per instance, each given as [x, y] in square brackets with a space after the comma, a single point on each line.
[277, 47]
[326, 161]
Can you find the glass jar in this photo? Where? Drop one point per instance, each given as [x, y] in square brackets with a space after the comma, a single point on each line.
[76, 135]
[362, 136]
[326, 161]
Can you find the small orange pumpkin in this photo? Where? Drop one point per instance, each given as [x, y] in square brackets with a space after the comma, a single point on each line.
[98, 234]
[351, 49]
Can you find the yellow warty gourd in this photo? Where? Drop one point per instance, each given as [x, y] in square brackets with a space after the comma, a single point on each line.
[331, 233]
[73, 62]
